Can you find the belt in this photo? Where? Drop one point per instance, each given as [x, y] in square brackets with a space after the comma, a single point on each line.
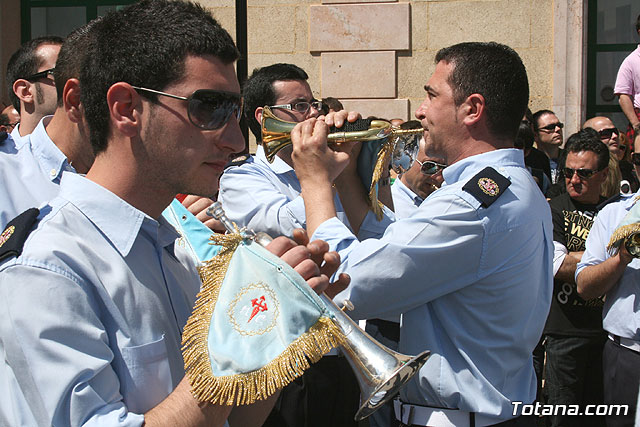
[632, 345]
[441, 417]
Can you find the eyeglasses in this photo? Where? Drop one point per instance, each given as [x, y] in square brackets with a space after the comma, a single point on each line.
[207, 108]
[300, 107]
[40, 75]
[582, 173]
[430, 168]
[608, 133]
[551, 127]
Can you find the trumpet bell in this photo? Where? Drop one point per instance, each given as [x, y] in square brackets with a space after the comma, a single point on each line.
[380, 371]
[632, 243]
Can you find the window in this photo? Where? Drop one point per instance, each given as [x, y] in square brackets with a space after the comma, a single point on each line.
[611, 37]
[60, 17]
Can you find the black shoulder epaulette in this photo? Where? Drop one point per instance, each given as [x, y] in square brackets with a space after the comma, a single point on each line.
[487, 186]
[240, 160]
[16, 232]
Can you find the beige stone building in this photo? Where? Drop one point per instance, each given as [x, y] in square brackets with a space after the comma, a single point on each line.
[376, 56]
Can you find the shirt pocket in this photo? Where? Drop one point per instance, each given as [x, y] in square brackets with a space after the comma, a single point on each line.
[147, 380]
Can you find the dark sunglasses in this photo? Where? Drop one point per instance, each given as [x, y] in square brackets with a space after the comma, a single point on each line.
[582, 173]
[207, 108]
[429, 167]
[608, 133]
[551, 127]
[300, 107]
[40, 75]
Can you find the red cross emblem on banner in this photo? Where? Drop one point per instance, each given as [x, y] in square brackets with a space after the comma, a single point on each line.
[258, 305]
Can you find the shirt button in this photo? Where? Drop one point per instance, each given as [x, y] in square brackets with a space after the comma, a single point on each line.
[53, 173]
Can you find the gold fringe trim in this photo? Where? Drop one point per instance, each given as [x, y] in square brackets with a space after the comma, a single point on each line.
[620, 235]
[246, 388]
[381, 163]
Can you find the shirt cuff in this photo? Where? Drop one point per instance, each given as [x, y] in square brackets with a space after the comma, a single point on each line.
[559, 254]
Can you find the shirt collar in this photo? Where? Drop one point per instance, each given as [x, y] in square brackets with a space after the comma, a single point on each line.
[119, 221]
[278, 166]
[52, 161]
[417, 200]
[466, 168]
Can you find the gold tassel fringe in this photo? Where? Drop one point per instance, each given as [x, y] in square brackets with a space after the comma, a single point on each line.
[246, 388]
[381, 163]
[620, 235]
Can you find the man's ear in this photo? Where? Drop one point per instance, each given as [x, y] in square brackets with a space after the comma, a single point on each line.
[258, 114]
[124, 108]
[71, 100]
[472, 109]
[23, 90]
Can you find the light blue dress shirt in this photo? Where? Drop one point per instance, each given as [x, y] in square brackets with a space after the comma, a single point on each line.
[473, 285]
[621, 311]
[18, 139]
[92, 313]
[8, 145]
[31, 176]
[266, 196]
[405, 201]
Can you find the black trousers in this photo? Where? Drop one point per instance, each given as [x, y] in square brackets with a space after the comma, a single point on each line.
[621, 381]
[326, 395]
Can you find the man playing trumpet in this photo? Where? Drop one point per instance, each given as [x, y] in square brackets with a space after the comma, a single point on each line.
[471, 270]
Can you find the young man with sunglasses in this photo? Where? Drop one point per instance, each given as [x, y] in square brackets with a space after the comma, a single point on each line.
[31, 175]
[265, 196]
[93, 298]
[610, 135]
[470, 271]
[30, 82]
[573, 333]
[548, 136]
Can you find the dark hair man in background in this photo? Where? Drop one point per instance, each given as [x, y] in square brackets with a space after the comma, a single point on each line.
[573, 333]
[30, 82]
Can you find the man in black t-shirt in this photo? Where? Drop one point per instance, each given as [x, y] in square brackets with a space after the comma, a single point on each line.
[573, 333]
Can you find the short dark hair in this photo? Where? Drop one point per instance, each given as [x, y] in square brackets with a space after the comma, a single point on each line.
[494, 71]
[71, 56]
[588, 139]
[146, 44]
[24, 62]
[524, 138]
[4, 120]
[638, 23]
[258, 90]
[537, 115]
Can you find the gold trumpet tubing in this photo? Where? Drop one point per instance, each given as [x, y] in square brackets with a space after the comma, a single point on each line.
[276, 133]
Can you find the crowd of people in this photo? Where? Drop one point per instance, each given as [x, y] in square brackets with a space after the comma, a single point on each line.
[491, 251]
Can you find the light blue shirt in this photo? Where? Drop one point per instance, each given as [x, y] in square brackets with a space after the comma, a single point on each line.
[265, 196]
[92, 313]
[473, 285]
[18, 139]
[31, 176]
[8, 145]
[621, 311]
[405, 201]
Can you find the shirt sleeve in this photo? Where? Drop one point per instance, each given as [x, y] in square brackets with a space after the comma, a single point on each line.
[596, 244]
[445, 229]
[624, 79]
[250, 199]
[58, 351]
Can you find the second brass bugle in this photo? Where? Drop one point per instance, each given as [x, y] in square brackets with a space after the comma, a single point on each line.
[276, 133]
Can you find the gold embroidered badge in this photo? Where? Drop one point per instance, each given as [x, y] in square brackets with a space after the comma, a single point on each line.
[488, 186]
[6, 234]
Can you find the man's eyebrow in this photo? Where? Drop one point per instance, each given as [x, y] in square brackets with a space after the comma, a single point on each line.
[428, 88]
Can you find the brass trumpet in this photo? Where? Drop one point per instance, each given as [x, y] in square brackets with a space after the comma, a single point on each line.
[276, 133]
